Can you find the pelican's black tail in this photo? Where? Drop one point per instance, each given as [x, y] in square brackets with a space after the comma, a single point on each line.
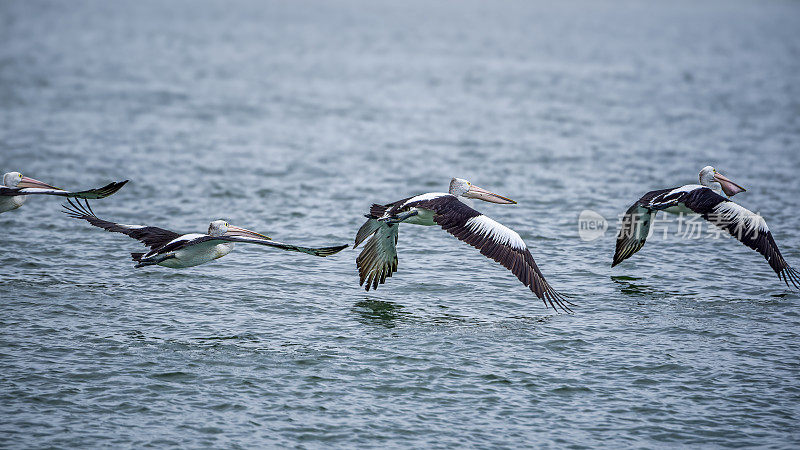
[137, 256]
[376, 210]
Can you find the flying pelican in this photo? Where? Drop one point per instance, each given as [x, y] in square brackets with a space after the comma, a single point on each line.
[16, 189]
[378, 259]
[177, 251]
[704, 199]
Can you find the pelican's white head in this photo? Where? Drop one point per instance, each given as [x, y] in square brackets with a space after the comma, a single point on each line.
[16, 180]
[217, 228]
[459, 186]
[12, 179]
[711, 178]
[463, 188]
[223, 228]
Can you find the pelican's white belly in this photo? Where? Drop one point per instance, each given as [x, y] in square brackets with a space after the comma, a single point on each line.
[424, 217]
[9, 203]
[197, 254]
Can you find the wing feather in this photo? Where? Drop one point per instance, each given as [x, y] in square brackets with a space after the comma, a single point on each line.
[633, 232]
[495, 241]
[635, 225]
[747, 227]
[316, 251]
[152, 237]
[101, 192]
[378, 259]
[368, 229]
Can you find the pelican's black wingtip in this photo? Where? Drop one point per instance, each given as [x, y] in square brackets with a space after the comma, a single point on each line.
[338, 248]
[71, 209]
[111, 188]
[76, 210]
[562, 302]
[790, 274]
[327, 251]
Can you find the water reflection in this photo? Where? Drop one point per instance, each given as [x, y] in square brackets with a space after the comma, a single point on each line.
[378, 312]
[629, 287]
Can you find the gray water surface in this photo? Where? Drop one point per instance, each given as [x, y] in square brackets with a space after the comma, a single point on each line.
[291, 118]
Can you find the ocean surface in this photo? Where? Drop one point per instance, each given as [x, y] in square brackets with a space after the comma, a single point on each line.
[291, 118]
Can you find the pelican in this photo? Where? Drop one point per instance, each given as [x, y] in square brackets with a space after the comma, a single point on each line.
[16, 189]
[707, 200]
[378, 259]
[177, 251]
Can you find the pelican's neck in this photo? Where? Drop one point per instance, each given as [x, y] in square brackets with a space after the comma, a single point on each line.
[716, 187]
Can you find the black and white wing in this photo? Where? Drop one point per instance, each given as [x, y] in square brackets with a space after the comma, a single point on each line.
[494, 240]
[746, 226]
[102, 192]
[316, 251]
[378, 260]
[152, 237]
[635, 226]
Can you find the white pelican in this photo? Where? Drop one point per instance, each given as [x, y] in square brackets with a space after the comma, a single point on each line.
[16, 189]
[378, 259]
[704, 199]
[177, 251]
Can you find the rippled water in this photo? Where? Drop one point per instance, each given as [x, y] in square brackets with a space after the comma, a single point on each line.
[290, 118]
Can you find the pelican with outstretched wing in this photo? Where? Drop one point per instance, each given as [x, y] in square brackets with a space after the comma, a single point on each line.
[177, 251]
[16, 189]
[706, 200]
[378, 259]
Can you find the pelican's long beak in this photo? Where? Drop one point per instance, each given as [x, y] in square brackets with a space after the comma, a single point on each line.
[31, 183]
[487, 196]
[241, 232]
[729, 187]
